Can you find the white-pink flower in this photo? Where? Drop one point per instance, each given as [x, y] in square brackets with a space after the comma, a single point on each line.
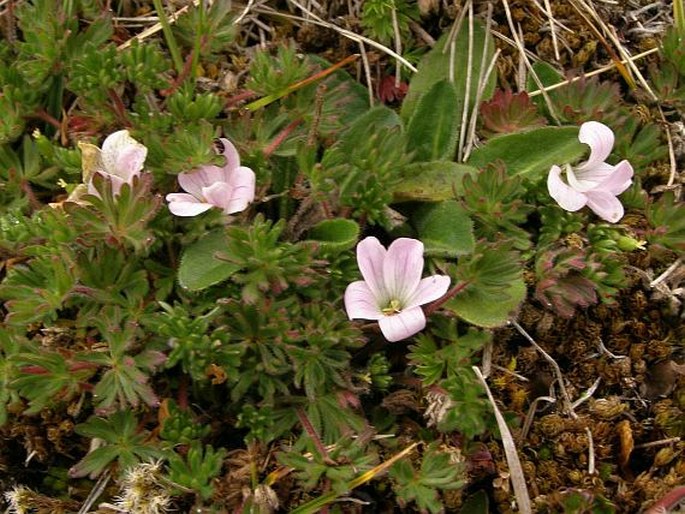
[393, 291]
[594, 183]
[230, 188]
[120, 159]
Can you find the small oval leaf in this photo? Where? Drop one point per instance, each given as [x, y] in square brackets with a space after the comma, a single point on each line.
[445, 229]
[432, 132]
[531, 153]
[335, 235]
[200, 268]
[482, 311]
[432, 181]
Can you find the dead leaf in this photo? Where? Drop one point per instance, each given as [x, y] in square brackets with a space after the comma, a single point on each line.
[625, 436]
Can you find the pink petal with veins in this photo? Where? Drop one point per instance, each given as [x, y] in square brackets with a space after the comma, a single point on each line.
[402, 325]
[402, 268]
[428, 290]
[194, 181]
[620, 179]
[567, 197]
[605, 205]
[183, 204]
[370, 257]
[589, 178]
[122, 155]
[360, 302]
[231, 154]
[600, 139]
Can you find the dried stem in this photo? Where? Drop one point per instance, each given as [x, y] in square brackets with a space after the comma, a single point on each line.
[518, 479]
[566, 400]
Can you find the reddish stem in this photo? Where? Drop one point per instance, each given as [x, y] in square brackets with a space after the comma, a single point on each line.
[119, 107]
[33, 201]
[309, 428]
[432, 307]
[78, 366]
[240, 97]
[668, 501]
[42, 114]
[281, 137]
[183, 392]
[185, 72]
[34, 370]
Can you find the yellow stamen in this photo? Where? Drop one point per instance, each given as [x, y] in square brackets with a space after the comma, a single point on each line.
[393, 307]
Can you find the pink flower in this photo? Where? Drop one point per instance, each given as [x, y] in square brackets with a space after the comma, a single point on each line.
[120, 159]
[230, 188]
[393, 291]
[593, 183]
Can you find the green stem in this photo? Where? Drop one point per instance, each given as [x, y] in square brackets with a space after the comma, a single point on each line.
[679, 16]
[169, 36]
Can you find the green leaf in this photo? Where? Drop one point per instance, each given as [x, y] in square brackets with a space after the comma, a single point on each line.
[432, 181]
[433, 129]
[435, 66]
[445, 228]
[200, 267]
[335, 235]
[371, 122]
[481, 310]
[531, 153]
[547, 74]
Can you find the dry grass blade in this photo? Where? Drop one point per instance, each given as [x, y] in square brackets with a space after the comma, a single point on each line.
[566, 400]
[671, 149]
[518, 479]
[323, 500]
[586, 12]
[367, 72]
[467, 88]
[240, 18]
[95, 492]
[157, 26]
[343, 32]
[598, 71]
[266, 100]
[624, 53]
[483, 78]
[524, 57]
[552, 29]
[531, 415]
[398, 45]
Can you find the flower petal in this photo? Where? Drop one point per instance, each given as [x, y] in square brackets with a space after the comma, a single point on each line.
[117, 182]
[599, 138]
[428, 290]
[182, 204]
[567, 197]
[370, 257]
[122, 155]
[588, 179]
[605, 205]
[619, 180]
[193, 181]
[242, 181]
[360, 302]
[230, 153]
[218, 194]
[402, 325]
[402, 268]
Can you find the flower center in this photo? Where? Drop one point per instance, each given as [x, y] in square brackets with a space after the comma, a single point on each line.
[393, 307]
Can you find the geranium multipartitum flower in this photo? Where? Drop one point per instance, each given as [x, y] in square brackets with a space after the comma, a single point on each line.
[230, 188]
[120, 159]
[594, 183]
[393, 291]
